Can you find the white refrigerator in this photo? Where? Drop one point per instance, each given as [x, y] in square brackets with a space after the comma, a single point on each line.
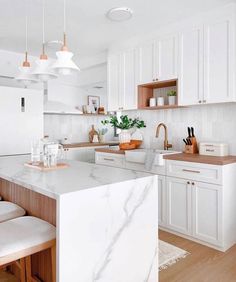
[21, 119]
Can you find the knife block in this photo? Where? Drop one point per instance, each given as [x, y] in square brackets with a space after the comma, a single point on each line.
[192, 149]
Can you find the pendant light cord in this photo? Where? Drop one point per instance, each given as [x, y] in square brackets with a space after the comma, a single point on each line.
[43, 35]
[64, 27]
[26, 27]
[64, 15]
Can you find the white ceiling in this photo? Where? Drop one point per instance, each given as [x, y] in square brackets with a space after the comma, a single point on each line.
[89, 32]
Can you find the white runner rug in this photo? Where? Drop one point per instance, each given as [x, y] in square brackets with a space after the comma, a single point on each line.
[169, 254]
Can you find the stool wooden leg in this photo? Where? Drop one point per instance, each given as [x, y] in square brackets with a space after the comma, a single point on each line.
[28, 269]
[22, 270]
[53, 260]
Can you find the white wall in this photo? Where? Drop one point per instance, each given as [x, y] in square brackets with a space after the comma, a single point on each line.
[72, 90]
[216, 123]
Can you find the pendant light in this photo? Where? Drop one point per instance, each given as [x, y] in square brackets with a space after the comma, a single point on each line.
[25, 74]
[42, 71]
[64, 64]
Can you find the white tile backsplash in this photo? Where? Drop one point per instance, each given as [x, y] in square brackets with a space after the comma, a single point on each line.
[73, 127]
[216, 123]
[212, 123]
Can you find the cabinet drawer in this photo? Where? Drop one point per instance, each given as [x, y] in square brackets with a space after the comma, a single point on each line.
[195, 171]
[110, 160]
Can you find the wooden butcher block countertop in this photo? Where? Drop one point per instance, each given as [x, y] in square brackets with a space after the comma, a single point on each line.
[110, 151]
[196, 158]
[88, 144]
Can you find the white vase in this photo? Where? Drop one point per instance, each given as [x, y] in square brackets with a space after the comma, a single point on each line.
[172, 100]
[124, 136]
[137, 135]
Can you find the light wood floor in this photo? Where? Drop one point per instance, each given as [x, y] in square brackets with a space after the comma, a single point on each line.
[202, 265]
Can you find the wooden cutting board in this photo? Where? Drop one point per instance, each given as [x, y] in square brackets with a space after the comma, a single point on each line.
[41, 167]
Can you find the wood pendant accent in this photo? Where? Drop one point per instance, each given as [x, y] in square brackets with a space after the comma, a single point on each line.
[39, 206]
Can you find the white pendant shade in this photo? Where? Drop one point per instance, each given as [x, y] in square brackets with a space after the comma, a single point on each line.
[42, 71]
[64, 64]
[25, 76]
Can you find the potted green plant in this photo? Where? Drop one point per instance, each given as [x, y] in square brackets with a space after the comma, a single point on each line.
[124, 123]
[172, 97]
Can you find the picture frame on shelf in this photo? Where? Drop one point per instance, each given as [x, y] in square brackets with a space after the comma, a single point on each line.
[94, 101]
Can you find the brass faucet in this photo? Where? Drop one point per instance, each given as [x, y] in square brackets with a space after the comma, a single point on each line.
[166, 144]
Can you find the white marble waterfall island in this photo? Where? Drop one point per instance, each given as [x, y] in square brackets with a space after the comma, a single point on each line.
[106, 219]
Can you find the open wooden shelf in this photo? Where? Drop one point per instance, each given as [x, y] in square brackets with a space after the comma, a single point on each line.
[146, 91]
[73, 114]
[162, 107]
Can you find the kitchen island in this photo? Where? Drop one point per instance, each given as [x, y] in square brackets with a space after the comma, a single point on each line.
[106, 219]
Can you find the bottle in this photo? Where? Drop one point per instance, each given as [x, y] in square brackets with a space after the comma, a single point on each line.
[92, 132]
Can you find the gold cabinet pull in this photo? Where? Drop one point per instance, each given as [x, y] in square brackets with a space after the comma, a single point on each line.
[193, 171]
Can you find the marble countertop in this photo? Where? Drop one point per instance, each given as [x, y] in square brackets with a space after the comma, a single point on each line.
[78, 176]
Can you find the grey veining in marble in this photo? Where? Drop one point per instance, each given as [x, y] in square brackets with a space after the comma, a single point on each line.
[78, 176]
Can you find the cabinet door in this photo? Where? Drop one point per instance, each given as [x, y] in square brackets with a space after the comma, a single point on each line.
[129, 80]
[207, 212]
[146, 63]
[179, 205]
[219, 61]
[113, 78]
[191, 67]
[165, 58]
[162, 200]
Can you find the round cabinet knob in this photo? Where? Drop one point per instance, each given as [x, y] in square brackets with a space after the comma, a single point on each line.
[156, 79]
[193, 183]
[199, 101]
[188, 182]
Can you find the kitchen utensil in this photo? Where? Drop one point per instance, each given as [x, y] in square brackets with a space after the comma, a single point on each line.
[192, 131]
[152, 102]
[189, 132]
[185, 142]
[160, 101]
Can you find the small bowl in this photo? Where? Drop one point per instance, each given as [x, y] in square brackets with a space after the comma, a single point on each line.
[137, 143]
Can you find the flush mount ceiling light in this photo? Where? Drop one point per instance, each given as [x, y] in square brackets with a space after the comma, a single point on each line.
[25, 75]
[64, 64]
[42, 70]
[119, 14]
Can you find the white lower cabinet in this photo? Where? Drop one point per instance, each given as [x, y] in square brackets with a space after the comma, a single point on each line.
[195, 200]
[207, 212]
[83, 154]
[195, 209]
[162, 215]
[178, 205]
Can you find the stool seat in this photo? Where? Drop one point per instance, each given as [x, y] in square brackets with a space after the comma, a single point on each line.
[23, 233]
[9, 211]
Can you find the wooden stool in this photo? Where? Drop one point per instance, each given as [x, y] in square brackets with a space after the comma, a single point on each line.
[9, 211]
[22, 237]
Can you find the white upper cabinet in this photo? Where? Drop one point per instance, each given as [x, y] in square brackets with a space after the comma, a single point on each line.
[146, 63]
[165, 58]
[129, 80]
[191, 66]
[157, 60]
[113, 73]
[122, 81]
[200, 55]
[219, 60]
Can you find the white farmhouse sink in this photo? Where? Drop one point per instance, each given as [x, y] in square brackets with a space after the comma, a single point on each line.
[140, 155]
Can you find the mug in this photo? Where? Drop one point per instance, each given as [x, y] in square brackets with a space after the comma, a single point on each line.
[152, 102]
